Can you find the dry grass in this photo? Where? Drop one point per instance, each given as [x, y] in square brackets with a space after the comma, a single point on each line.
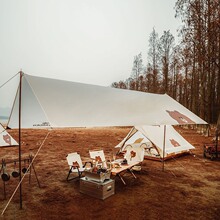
[188, 189]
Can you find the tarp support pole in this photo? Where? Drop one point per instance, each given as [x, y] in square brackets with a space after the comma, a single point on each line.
[217, 133]
[19, 130]
[216, 144]
[164, 143]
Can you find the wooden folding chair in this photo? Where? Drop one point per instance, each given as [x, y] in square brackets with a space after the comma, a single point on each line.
[75, 165]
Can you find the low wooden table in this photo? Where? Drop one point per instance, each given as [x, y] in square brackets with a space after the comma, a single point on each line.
[120, 171]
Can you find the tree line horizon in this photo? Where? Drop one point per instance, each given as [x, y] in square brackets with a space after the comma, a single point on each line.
[189, 71]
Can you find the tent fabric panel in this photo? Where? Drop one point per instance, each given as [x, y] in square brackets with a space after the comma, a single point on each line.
[33, 115]
[132, 139]
[86, 105]
[173, 139]
[71, 104]
[178, 149]
[130, 134]
[137, 137]
[5, 138]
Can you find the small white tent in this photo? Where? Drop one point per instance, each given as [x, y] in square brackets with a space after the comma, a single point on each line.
[151, 138]
[58, 103]
[5, 138]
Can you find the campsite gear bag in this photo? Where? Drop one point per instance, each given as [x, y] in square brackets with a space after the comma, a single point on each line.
[96, 189]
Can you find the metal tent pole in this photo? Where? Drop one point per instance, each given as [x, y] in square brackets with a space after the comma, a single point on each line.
[217, 133]
[19, 131]
[164, 143]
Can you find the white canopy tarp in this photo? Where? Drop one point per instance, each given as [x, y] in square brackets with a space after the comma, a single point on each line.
[57, 103]
[174, 142]
[5, 138]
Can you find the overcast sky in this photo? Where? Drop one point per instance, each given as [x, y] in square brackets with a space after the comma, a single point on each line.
[90, 41]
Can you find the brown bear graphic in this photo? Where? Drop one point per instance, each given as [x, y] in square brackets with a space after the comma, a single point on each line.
[7, 139]
[133, 154]
[180, 118]
[174, 143]
[98, 159]
[75, 164]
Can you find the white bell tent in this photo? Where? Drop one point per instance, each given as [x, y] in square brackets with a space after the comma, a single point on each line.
[6, 139]
[56, 103]
[151, 138]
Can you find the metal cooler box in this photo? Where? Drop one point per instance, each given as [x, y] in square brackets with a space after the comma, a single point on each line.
[97, 189]
[97, 177]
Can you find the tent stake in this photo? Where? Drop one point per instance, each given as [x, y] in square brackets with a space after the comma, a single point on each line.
[164, 140]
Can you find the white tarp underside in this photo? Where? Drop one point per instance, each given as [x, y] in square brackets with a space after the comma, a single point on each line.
[174, 142]
[5, 138]
[58, 103]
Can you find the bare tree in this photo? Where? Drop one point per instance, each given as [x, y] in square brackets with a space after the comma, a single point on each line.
[191, 72]
[154, 59]
[166, 46]
[137, 69]
[175, 69]
[200, 38]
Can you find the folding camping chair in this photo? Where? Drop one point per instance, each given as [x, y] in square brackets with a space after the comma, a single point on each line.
[75, 165]
[99, 157]
[134, 153]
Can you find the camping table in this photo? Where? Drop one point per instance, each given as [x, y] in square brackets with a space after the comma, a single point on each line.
[124, 168]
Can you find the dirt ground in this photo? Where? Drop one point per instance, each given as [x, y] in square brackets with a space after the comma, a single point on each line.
[189, 188]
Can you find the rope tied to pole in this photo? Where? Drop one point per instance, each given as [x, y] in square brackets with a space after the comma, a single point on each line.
[9, 80]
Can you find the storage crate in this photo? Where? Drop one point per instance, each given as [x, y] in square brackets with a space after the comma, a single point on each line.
[97, 189]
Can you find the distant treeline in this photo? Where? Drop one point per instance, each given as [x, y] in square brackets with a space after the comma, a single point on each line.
[190, 71]
[3, 117]
[4, 112]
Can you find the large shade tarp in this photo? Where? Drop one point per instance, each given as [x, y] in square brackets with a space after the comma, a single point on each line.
[57, 103]
[5, 138]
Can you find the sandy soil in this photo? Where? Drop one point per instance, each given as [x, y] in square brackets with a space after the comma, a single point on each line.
[189, 188]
